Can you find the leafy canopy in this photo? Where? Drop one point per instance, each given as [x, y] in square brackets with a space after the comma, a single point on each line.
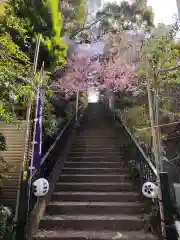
[25, 19]
[74, 16]
[13, 63]
[126, 15]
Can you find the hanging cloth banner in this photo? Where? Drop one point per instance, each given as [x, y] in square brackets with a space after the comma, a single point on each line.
[37, 137]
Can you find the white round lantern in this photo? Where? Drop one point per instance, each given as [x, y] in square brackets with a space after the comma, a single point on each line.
[40, 187]
[150, 190]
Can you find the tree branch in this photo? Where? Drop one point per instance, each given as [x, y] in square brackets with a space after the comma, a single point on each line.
[98, 20]
[89, 26]
[169, 70]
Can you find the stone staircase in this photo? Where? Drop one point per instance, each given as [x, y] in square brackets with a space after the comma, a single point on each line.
[94, 198]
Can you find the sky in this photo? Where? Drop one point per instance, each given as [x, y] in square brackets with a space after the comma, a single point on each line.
[163, 10]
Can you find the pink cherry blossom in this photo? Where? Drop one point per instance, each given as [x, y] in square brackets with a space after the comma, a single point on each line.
[118, 76]
[82, 73]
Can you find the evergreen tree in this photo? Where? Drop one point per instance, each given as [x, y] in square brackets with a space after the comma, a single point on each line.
[25, 19]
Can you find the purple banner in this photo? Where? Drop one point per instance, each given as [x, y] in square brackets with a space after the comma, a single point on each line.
[37, 138]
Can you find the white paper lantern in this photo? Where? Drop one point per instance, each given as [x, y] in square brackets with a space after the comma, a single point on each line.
[40, 187]
[150, 190]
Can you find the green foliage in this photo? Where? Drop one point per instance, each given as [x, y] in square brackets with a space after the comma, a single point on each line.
[6, 223]
[74, 16]
[13, 63]
[123, 103]
[4, 167]
[137, 120]
[158, 56]
[25, 19]
[117, 16]
[4, 171]
[163, 54]
[2, 5]
[2, 143]
[83, 100]
[152, 220]
[14, 94]
[49, 118]
[55, 18]
[19, 27]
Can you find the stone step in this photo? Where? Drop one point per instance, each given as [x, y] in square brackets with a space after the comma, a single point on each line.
[94, 149]
[97, 159]
[71, 208]
[96, 154]
[94, 186]
[96, 136]
[93, 170]
[96, 196]
[93, 235]
[93, 178]
[81, 164]
[94, 144]
[89, 141]
[92, 222]
[96, 132]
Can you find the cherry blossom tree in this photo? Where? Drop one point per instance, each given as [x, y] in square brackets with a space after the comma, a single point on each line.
[119, 76]
[79, 75]
[83, 73]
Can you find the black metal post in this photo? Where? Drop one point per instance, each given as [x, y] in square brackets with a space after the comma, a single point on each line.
[171, 232]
